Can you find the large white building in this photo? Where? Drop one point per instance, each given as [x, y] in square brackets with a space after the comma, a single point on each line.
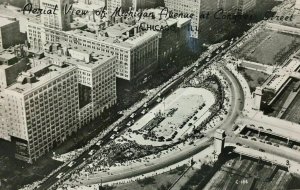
[136, 50]
[66, 89]
[41, 110]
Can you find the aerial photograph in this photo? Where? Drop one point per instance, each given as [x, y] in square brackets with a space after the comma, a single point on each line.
[149, 94]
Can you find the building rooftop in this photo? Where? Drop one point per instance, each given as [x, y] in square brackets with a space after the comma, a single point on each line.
[6, 55]
[112, 33]
[119, 41]
[163, 21]
[89, 7]
[79, 56]
[44, 74]
[6, 20]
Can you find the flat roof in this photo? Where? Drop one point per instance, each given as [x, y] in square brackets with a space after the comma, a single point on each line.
[97, 59]
[88, 7]
[53, 73]
[127, 43]
[7, 56]
[5, 21]
[114, 33]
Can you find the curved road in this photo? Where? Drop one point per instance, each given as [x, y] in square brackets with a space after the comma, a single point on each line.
[234, 112]
[138, 169]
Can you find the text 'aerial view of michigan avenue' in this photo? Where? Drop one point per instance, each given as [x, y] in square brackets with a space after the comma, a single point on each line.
[149, 94]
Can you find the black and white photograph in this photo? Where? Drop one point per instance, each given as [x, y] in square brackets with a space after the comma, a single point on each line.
[149, 94]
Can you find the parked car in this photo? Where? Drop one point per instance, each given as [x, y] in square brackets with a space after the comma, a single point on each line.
[71, 164]
[59, 175]
[92, 152]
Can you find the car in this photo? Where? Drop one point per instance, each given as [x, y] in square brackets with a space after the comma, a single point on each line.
[98, 143]
[71, 164]
[144, 111]
[261, 150]
[159, 100]
[113, 137]
[235, 127]
[116, 129]
[92, 152]
[245, 146]
[276, 145]
[254, 139]
[245, 137]
[59, 175]
[269, 143]
[132, 115]
[269, 130]
[129, 124]
[239, 144]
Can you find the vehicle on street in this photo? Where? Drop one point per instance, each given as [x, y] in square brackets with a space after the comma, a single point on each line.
[244, 137]
[98, 143]
[113, 137]
[59, 175]
[144, 111]
[71, 164]
[92, 152]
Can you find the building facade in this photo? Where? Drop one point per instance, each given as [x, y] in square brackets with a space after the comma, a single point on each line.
[9, 32]
[41, 110]
[244, 6]
[12, 62]
[136, 51]
[187, 6]
[66, 89]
